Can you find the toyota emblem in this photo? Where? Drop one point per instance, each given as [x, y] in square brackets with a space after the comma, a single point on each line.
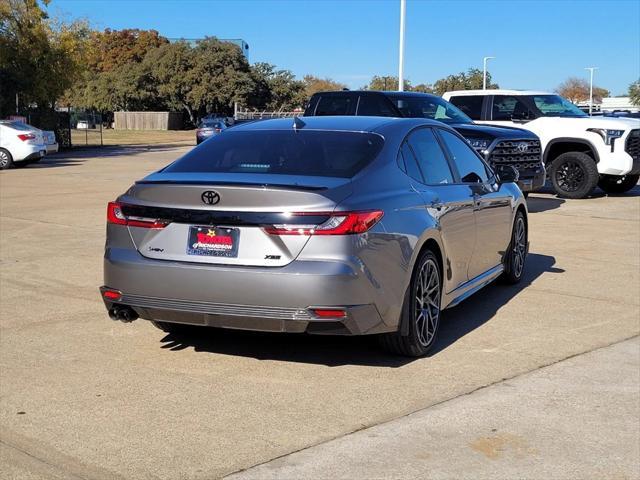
[210, 197]
[522, 147]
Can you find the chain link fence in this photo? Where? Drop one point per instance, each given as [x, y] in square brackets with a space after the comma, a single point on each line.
[85, 128]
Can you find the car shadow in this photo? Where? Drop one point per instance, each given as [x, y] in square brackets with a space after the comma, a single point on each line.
[333, 351]
[78, 156]
[548, 193]
[539, 204]
[482, 307]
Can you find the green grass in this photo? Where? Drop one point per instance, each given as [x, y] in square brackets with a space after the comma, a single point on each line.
[80, 138]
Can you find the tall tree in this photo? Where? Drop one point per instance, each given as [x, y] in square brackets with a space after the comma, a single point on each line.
[577, 90]
[220, 77]
[39, 57]
[634, 92]
[110, 49]
[386, 82]
[275, 89]
[313, 84]
[472, 79]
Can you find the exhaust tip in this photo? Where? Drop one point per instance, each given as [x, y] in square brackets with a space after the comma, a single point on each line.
[125, 314]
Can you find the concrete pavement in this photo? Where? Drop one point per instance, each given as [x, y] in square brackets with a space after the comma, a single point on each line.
[575, 419]
[82, 396]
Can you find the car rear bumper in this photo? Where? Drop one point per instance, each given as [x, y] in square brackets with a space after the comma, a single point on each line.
[278, 299]
[28, 152]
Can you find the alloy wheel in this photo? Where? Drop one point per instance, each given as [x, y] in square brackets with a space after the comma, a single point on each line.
[427, 304]
[570, 176]
[519, 248]
[4, 159]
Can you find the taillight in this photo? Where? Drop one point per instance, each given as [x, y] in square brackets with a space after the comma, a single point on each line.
[116, 216]
[114, 295]
[329, 313]
[26, 136]
[339, 223]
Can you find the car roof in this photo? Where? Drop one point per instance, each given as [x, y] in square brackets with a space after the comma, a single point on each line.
[378, 92]
[499, 91]
[331, 123]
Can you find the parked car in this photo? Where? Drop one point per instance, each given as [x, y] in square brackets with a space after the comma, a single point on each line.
[209, 128]
[498, 145]
[50, 141]
[580, 152]
[327, 225]
[20, 144]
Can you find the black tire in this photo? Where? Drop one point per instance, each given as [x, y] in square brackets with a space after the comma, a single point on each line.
[169, 327]
[423, 328]
[6, 160]
[516, 255]
[618, 184]
[574, 175]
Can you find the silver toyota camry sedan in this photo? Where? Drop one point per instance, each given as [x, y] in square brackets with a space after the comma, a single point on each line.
[323, 225]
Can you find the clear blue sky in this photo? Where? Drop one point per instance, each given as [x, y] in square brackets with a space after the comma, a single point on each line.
[538, 44]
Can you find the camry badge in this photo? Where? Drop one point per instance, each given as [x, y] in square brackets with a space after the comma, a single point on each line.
[210, 197]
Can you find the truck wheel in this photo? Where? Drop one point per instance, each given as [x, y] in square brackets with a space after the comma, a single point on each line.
[6, 160]
[421, 310]
[574, 175]
[618, 184]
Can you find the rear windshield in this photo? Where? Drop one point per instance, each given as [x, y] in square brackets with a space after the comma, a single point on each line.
[18, 125]
[307, 153]
[211, 124]
[429, 106]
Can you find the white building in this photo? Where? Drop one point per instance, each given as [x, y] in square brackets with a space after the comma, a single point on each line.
[613, 104]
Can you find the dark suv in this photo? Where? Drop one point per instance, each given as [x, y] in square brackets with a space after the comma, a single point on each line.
[498, 145]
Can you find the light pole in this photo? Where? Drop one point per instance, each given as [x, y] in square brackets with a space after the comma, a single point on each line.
[484, 72]
[591, 69]
[403, 8]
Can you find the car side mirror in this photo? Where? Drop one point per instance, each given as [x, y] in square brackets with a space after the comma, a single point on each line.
[507, 173]
[520, 116]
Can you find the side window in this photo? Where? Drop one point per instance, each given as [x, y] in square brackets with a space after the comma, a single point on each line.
[375, 106]
[411, 166]
[506, 107]
[431, 158]
[469, 104]
[334, 105]
[470, 167]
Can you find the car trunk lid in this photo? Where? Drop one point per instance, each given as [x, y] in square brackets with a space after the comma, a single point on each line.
[219, 218]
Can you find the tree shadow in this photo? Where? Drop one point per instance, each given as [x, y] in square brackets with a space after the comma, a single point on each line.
[333, 351]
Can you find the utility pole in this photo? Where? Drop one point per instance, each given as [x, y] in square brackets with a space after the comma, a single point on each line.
[484, 72]
[591, 69]
[403, 8]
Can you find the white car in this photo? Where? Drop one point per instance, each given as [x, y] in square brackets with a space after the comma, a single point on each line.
[580, 152]
[20, 144]
[50, 141]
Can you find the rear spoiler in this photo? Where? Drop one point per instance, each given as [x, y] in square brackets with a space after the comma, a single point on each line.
[232, 184]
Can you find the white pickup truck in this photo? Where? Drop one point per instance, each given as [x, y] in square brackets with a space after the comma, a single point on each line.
[580, 152]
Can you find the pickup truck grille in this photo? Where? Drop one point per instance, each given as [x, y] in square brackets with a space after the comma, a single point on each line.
[522, 154]
[632, 147]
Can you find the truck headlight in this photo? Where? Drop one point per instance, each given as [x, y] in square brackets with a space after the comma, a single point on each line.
[479, 144]
[608, 136]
